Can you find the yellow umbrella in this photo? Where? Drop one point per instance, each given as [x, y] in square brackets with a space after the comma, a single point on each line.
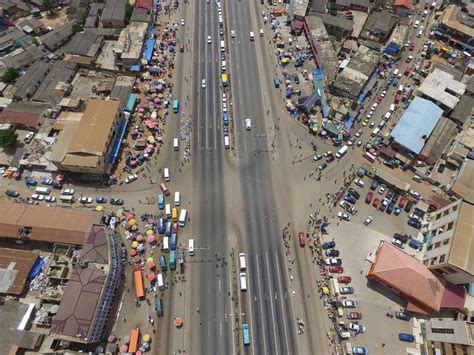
[99, 208]
[149, 232]
[132, 222]
[135, 244]
[149, 260]
[146, 338]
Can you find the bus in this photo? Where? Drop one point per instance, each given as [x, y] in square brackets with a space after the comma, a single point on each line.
[161, 201]
[159, 307]
[182, 217]
[172, 260]
[139, 291]
[224, 79]
[369, 157]
[176, 106]
[246, 334]
[340, 153]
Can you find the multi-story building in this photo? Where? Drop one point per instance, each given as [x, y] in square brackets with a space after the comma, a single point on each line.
[457, 27]
[449, 336]
[450, 243]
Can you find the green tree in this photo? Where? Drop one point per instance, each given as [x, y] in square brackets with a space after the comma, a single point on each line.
[128, 12]
[81, 15]
[8, 138]
[10, 75]
[77, 28]
[49, 6]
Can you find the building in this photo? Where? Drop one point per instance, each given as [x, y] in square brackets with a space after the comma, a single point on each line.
[464, 185]
[84, 44]
[113, 14]
[77, 9]
[379, 26]
[142, 12]
[415, 126]
[15, 265]
[91, 139]
[11, 39]
[463, 111]
[94, 15]
[317, 6]
[358, 5]
[450, 243]
[441, 88]
[58, 37]
[457, 27]
[24, 114]
[22, 57]
[438, 140]
[29, 82]
[448, 336]
[337, 26]
[403, 274]
[32, 26]
[130, 44]
[403, 7]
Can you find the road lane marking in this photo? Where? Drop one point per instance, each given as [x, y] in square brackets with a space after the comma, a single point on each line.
[271, 304]
[281, 302]
[261, 303]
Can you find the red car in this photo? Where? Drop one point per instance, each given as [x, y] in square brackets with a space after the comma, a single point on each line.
[378, 99]
[336, 269]
[302, 240]
[344, 279]
[368, 198]
[174, 229]
[354, 315]
[376, 203]
[164, 189]
[412, 46]
[402, 201]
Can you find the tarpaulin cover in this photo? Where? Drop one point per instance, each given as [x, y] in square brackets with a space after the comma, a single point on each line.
[36, 269]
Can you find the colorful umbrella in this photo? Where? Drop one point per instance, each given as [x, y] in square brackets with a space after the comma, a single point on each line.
[133, 252]
[130, 216]
[146, 338]
[137, 266]
[149, 232]
[178, 322]
[151, 239]
[140, 238]
[151, 277]
[141, 248]
[134, 227]
[99, 208]
[123, 348]
[112, 338]
[149, 259]
[152, 265]
[135, 244]
[126, 339]
[132, 221]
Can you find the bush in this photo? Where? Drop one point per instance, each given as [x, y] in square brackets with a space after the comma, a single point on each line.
[8, 138]
[10, 75]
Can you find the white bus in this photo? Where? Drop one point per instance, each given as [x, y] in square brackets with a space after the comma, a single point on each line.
[342, 151]
[183, 215]
[165, 246]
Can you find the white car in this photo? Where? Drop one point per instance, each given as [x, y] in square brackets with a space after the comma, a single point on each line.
[359, 182]
[398, 243]
[67, 192]
[224, 97]
[384, 93]
[381, 189]
[359, 143]
[369, 115]
[371, 124]
[50, 198]
[368, 220]
[356, 327]
[343, 215]
[131, 178]
[248, 124]
[374, 106]
[209, 39]
[415, 194]
[348, 304]
[203, 83]
[409, 59]
[37, 197]
[182, 22]
[86, 200]
[232, 34]
[415, 216]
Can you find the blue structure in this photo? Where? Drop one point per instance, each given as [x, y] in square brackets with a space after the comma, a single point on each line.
[416, 124]
[392, 49]
[131, 102]
[148, 52]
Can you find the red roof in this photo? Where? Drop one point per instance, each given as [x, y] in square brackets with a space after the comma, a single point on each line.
[26, 119]
[146, 4]
[408, 4]
[422, 288]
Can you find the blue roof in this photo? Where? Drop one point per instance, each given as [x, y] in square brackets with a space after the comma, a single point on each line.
[132, 100]
[149, 46]
[419, 120]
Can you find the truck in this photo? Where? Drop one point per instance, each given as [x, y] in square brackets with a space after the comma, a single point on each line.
[246, 334]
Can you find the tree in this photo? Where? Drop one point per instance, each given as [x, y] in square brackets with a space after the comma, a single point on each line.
[8, 138]
[49, 6]
[10, 75]
[128, 12]
[77, 28]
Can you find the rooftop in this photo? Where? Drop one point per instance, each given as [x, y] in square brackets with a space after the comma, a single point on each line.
[29, 82]
[130, 42]
[22, 57]
[300, 7]
[464, 185]
[416, 124]
[379, 23]
[85, 43]
[438, 140]
[15, 265]
[318, 6]
[57, 37]
[114, 10]
[27, 114]
[55, 84]
[407, 4]
[455, 19]
[443, 88]
[337, 21]
[463, 110]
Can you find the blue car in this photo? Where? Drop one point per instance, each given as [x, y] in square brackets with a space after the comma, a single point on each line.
[398, 210]
[395, 82]
[406, 337]
[47, 182]
[390, 81]
[350, 199]
[31, 182]
[329, 245]
[100, 200]
[390, 208]
[403, 315]
[414, 223]
[360, 350]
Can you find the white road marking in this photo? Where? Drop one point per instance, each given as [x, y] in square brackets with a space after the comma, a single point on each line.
[281, 302]
[271, 305]
[261, 303]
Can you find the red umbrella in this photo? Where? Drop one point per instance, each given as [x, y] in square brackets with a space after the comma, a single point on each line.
[178, 322]
[151, 277]
[112, 338]
[133, 252]
[152, 265]
[123, 348]
[137, 267]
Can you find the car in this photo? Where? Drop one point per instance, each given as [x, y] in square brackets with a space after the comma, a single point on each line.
[365, 122]
[31, 182]
[329, 245]
[333, 261]
[248, 124]
[349, 208]
[100, 200]
[372, 124]
[416, 177]
[203, 83]
[296, 79]
[402, 315]
[351, 141]
[301, 239]
[344, 279]
[221, 31]
[390, 208]
[374, 185]
[360, 350]
[329, 158]
[343, 215]
[403, 201]
[328, 153]
[378, 99]
[232, 33]
[116, 201]
[381, 189]
[414, 223]
[348, 304]
[408, 206]
[359, 182]
[336, 269]
[332, 252]
[346, 290]
[390, 81]
[174, 228]
[368, 220]
[383, 205]
[49, 198]
[317, 157]
[409, 59]
[356, 327]
[358, 143]
[415, 216]
[384, 93]
[354, 315]
[131, 178]
[359, 133]
[398, 243]
[376, 203]
[369, 115]
[67, 192]
[395, 82]
[353, 193]
[222, 55]
[403, 237]
[415, 194]
[85, 200]
[394, 198]
[209, 39]
[13, 194]
[336, 141]
[369, 196]
[37, 197]
[397, 211]
[406, 337]
[412, 46]
[182, 22]
[322, 166]
[350, 199]
[390, 194]
[47, 182]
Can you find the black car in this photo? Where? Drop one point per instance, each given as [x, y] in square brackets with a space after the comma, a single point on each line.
[221, 31]
[330, 158]
[409, 205]
[402, 237]
[12, 193]
[374, 185]
[395, 197]
[329, 245]
[414, 223]
[351, 191]
[332, 252]
[389, 163]
[403, 315]
[390, 194]
[296, 79]
[116, 201]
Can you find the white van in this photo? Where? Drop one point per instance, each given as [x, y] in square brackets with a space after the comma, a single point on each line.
[177, 198]
[223, 66]
[381, 124]
[42, 190]
[386, 117]
[375, 131]
[191, 247]
[392, 108]
[243, 281]
[395, 72]
[243, 263]
[161, 283]
[222, 46]
[165, 246]
[67, 198]
[220, 20]
[175, 144]
[183, 215]
[261, 32]
[168, 210]
[400, 88]
[226, 142]
[417, 23]
[252, 36]
[166, 174]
